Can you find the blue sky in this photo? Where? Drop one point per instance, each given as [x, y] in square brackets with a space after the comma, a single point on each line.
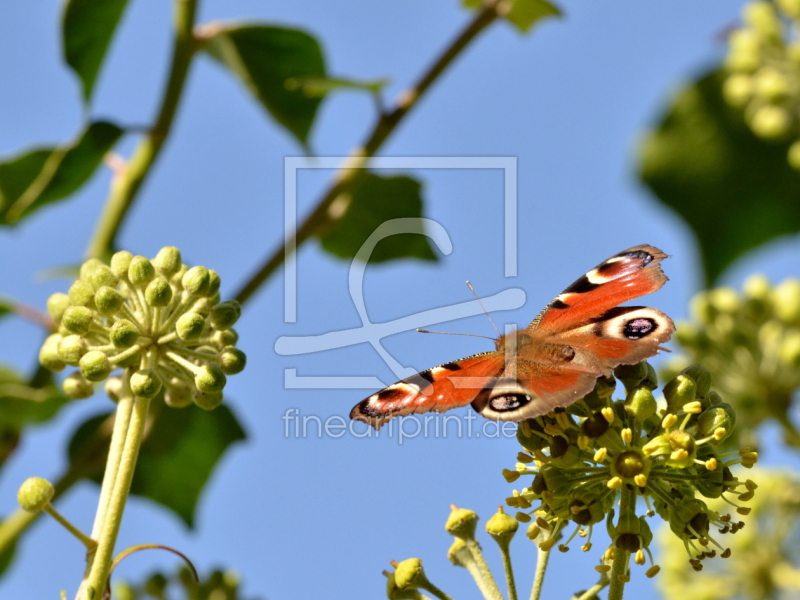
[302, 518]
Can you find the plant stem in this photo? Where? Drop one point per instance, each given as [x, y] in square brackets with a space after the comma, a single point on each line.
[619, 569]
[94, 584]
[384, 127]
[591, 593]
[486, 575]
[538, 579]
[508, 570]
[84, 539]
[436, 592]
[126, 184]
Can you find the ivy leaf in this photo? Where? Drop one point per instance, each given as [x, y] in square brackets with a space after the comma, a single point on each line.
[264, 58]
[39, 177]
[374, 199]
[735, 190]
[523, 14]
[87, 28]
[22, 404]
[176, 458]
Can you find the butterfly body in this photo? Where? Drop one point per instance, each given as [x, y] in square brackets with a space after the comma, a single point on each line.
[579, 336]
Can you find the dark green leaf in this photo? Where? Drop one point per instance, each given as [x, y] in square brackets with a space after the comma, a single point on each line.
[734, 190]
[22, 404]
[38, 177]
[6, 306]
[318, 87]
[6, 556]
[264, 58]
[373, 200]
[523, 14]
[175, 459]
[87, 28]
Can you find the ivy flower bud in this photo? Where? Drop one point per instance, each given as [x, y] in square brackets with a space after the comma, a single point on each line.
[35, 494]
[410, 575]
[459, 554]
[168, 261]
[77, 387]
[229, 337]
[80, 293]
[210, 379]
[123, 334]
[738, 89]
[158, 292]
[120, 263]
[225, 314]
[196, 281]
[502, 527]
[71, 348]
[771, 122]
[77, 320]
[771, 84]
[48, 354]
[461, 523]
[56, 305]
[178, 394]
[640, 404]
[763, 18]
[214, 282]
[711, 419]
[208, 400]
[190, 326]
[113, 388]
[108, 301]
[95, 365]
[786, 299]
[100, 275]
[141, 271]
[232, 360]
[145, 383]
[679, 391]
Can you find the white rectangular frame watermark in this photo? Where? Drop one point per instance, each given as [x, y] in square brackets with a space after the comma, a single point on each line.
[293, 164]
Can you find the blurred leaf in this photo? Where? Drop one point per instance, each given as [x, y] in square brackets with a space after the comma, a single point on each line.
[523, 14]
[318, 87]
[38, 177]
[375, 199]
[6, 556]
[176, 458]
[87, 28]
[22, 404]
[6, 306]
[733, 189]
[264, 58]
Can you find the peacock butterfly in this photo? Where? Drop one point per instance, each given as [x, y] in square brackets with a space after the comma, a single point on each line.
[580, 336]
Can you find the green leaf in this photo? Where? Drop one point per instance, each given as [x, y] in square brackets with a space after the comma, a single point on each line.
[264, 58]
[39, 177]
[318, 87]
[6, 556]
[176, 458]
[374, 199]
[87, 28]
[733, 189]
[523, 14]
[6, 306]
[22, 404]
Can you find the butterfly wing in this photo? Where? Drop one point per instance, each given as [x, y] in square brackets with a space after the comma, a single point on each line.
[436, 390]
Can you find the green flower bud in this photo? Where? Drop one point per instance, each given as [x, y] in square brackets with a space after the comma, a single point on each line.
[793, 156]
[190, 326]
[756, 287]
[178, 394]
[99, 276]
[88, 266]
[108, 301]
[56, 305]
[702, 378]
[745, 51]
[229, 337]
[113, 388]
[168, 261]
[232, 360]
[724, 299]
[790, 7]
[141, 271]
[711, 419]
[121, 262]
[790, 349]
[225, 314]
[71, 348]
[502, 527]
[77, 387]
[210, 379]
[641, 404]
[35, 494]
[77, 319]
[203, 306]
[738, 89]
[678, 392]
[395, 593]
[177, 278]
[771, 122]
[80, 293]
[123, 334]
[196, 281]
[145, 383]
[410, 575]
[95, 365]
[771, 84]
[459, 553]
[208, 401]
[49, 357]
[214, 282]
[786, 299]
[462, 523]
[763, 18]
[158, 292]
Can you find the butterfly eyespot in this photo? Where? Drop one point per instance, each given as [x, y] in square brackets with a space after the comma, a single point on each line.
[509, 402]
[638, 328]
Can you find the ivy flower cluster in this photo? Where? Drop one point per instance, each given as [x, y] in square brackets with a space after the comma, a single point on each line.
[159, 320]
[751, 340]
[764, 71]
[581, 461]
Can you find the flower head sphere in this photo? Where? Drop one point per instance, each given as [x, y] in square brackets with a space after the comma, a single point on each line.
[159, 320]
[601, 452]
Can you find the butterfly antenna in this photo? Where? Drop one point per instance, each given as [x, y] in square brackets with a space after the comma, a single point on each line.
[486, 312]
[486, 337]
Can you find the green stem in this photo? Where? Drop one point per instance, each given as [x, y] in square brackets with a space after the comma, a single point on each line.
[85, 539]
[483, 568]
[508, 570]
[320, 218]
[541, 567]
[436, 592]
[591, 593]
[94, 584]
[128, 182]
[619, 568]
